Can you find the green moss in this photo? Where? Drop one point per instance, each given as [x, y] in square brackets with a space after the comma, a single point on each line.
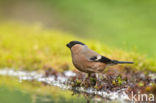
[33, 47]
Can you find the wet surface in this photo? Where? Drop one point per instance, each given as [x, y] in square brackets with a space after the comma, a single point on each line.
[91, 88]
[15, 95]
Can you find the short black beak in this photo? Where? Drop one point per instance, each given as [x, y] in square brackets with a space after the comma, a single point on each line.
[67, 45]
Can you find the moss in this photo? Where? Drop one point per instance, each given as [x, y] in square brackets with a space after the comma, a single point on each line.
[32, 47]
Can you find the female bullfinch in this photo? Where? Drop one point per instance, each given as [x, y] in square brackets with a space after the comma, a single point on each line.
[87, 60]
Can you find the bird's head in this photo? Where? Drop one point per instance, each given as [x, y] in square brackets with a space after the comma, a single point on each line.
[72, 43]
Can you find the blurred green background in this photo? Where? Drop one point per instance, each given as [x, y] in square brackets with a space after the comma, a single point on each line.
[126, 24]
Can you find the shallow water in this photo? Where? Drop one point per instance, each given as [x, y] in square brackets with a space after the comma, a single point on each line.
[58, 84]
[15, 95]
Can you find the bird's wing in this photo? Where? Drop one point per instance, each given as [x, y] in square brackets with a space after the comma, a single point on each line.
[95, 57]
[100, 58]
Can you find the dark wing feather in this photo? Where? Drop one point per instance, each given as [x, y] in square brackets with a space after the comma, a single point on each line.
[94, 58]
[100, 59]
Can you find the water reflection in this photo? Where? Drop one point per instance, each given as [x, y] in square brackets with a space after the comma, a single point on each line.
[37, 92]
[15, 95]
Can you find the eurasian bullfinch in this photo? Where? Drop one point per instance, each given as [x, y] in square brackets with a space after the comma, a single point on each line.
[87, 60]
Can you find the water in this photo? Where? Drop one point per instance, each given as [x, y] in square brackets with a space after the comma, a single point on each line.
[51, 89]
[14, 95]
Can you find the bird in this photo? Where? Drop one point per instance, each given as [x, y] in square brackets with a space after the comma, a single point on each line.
[88, 61]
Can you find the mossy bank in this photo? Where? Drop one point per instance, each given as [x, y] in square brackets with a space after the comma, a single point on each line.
[32, 47]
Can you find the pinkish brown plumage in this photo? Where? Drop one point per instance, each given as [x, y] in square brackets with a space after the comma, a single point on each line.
[87, 60]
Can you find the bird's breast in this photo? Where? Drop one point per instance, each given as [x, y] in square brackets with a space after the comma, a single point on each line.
[78, 61]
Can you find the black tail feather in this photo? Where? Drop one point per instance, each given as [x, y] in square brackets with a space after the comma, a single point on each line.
[121, 62]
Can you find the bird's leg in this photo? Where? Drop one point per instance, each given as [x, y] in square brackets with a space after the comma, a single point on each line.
[83, 80]
[92, 79]
[97, 75]
[89, 74]
[97, 78]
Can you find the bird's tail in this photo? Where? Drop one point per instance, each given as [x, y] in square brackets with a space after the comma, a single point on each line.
[121, 62]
